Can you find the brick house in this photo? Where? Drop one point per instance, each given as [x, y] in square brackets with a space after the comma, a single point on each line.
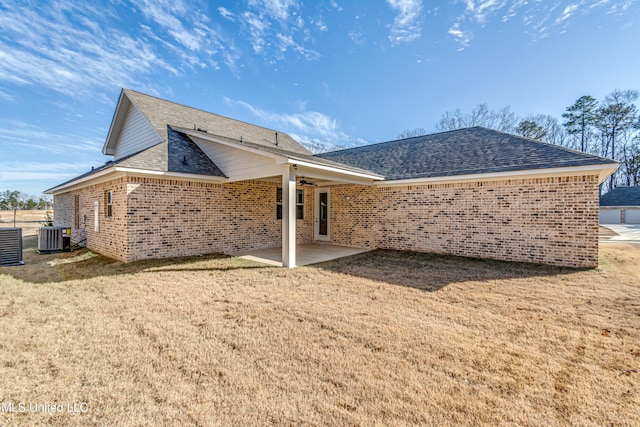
[186, 182]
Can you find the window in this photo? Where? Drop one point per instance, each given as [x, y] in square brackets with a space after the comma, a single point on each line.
[299, 203]
[108, 203]
[279, 203]
[76, 212]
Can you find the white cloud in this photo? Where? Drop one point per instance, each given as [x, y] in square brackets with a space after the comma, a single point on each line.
[567, 13]
[276, 28]
[192, 36]
[286, 42]
[311, 128]
[226, 13]
[480, 10]
[42, 170]
[257, 29]
[619, 8]
[19, 133]
[279, 10]
[406, 24]
[70, 57]
[6, 96]
[461, 36]
[540, 19]
[78, 47]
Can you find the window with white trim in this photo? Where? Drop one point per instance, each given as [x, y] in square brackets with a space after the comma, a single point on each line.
[108, 203]
[299, 203]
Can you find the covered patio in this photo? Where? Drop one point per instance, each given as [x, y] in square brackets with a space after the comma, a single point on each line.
[308, 253]
[242, 160]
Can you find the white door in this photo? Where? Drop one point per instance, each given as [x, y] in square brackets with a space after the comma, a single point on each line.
[321, 216]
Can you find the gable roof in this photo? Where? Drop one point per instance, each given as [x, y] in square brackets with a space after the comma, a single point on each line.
[178, 154]
[309, 158]
[468, 151]
[160, 113]
[621, 196]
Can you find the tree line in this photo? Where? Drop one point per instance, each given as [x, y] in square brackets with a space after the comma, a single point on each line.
[17, 200]
[608, 128]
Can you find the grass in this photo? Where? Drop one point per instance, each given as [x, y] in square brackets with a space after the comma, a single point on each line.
[383, 338]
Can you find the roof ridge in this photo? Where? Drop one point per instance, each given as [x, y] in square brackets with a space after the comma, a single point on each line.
[201, 110]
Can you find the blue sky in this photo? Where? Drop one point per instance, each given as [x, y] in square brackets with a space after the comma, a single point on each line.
[333, 72]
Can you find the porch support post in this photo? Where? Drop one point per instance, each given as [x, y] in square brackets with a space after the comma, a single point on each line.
[289, 218]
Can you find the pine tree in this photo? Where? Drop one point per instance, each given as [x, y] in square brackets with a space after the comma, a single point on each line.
[580, 117]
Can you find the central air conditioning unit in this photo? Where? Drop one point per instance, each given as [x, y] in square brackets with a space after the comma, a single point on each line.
[11, 246]
[54, 239]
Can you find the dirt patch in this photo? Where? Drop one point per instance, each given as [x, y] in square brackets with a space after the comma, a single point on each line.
[389, 338]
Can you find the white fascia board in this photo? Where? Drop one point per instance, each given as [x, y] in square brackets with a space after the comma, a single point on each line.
[116, 122]
[603, 172]
[331, 178]
[278, 157]
[115, 172]
[177, 175]
[293, 161]
[104, 175]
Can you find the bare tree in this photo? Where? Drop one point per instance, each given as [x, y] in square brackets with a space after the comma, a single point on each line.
[615, 120]
[550, 129]
[631, 164]
[503, 120]
[408, 133]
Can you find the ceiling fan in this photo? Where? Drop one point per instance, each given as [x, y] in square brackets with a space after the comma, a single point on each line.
[304, 182]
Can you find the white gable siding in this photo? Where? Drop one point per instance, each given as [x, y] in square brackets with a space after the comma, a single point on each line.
[136, 135]
[239, 165]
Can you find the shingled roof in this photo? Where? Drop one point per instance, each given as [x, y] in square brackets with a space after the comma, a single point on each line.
[310, 158]
[160, 113]
[469, 151]
[621, 196]
[178, 154]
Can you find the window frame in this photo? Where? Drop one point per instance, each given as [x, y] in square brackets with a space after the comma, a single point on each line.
[299, 203]
[108, 204]
[76, 211]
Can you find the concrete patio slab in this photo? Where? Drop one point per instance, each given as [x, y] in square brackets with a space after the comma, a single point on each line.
[308, 253]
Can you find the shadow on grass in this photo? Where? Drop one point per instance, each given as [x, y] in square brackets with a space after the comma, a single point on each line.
[431, 272]
[84, 264]
[427, 272]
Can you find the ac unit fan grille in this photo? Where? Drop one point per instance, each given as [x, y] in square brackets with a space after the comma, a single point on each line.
[11, 246]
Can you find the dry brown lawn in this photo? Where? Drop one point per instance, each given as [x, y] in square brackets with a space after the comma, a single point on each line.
[383, 338]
